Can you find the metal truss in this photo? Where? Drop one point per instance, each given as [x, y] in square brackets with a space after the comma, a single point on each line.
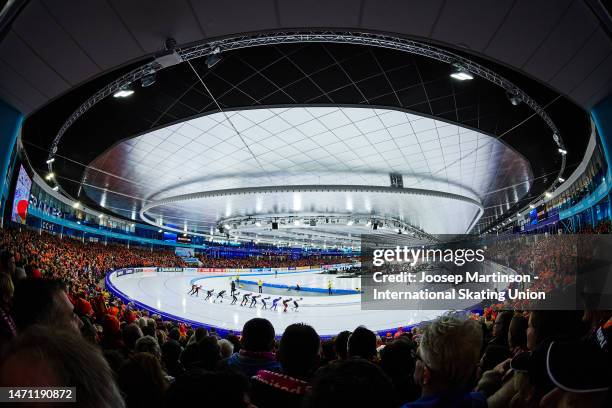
[304, 188]
[288, 37]
[321, 219]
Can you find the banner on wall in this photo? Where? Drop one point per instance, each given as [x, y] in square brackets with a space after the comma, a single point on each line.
[21, 197]
[169, 269]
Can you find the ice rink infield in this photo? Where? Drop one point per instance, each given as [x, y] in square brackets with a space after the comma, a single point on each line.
[166, 293]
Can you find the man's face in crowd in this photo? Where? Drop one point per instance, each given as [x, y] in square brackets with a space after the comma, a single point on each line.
[11, 265]
[497, 326]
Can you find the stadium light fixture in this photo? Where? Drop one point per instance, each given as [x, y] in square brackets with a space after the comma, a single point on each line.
[461, 74]
[514, 99]
[51, 160]
[50, 176]
[562, 151]
[213, 58]
[123, 92]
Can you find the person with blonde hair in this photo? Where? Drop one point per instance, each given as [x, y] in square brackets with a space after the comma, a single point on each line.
[446, 364]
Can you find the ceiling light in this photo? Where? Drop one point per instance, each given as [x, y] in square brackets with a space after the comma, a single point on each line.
[123, 92]
[51, 160]
[548, 194]
[160, 231]
[461, 73]
[49, 176]
[76, 204]
[514, 99]
[562, 151]
[561, 179]
[101, 215]
[56, 188]
[531, 206]
[213, 58]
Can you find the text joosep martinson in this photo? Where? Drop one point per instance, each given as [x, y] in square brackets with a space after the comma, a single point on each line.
[459, 257]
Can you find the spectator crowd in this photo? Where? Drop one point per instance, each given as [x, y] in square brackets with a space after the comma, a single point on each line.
[59, 327]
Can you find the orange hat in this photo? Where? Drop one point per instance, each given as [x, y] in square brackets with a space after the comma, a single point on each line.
[83, 307]
[111, 324]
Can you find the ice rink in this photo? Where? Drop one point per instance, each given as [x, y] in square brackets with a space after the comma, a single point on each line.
[167, 293]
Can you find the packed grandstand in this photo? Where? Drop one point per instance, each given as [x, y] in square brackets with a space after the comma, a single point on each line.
[53, 289]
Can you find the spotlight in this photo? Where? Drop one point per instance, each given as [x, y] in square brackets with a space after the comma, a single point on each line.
[460, 73]
[514, 99]
[148, 79]
[51, 160]
[49, 176]
[123, 92]
[562, 151]
[213, 58]
[561, 179]
[56, 188]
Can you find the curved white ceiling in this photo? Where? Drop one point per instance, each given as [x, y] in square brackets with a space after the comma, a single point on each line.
[293, 146]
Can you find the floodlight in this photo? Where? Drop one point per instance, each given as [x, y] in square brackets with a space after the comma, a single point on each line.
[123, 92]
[460, 73]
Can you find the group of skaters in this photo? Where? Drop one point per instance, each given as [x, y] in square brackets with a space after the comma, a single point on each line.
[249, 299]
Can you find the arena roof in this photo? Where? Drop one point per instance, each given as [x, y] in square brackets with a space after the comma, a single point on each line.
[299, 77]
[51, 47]
[308, 146]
